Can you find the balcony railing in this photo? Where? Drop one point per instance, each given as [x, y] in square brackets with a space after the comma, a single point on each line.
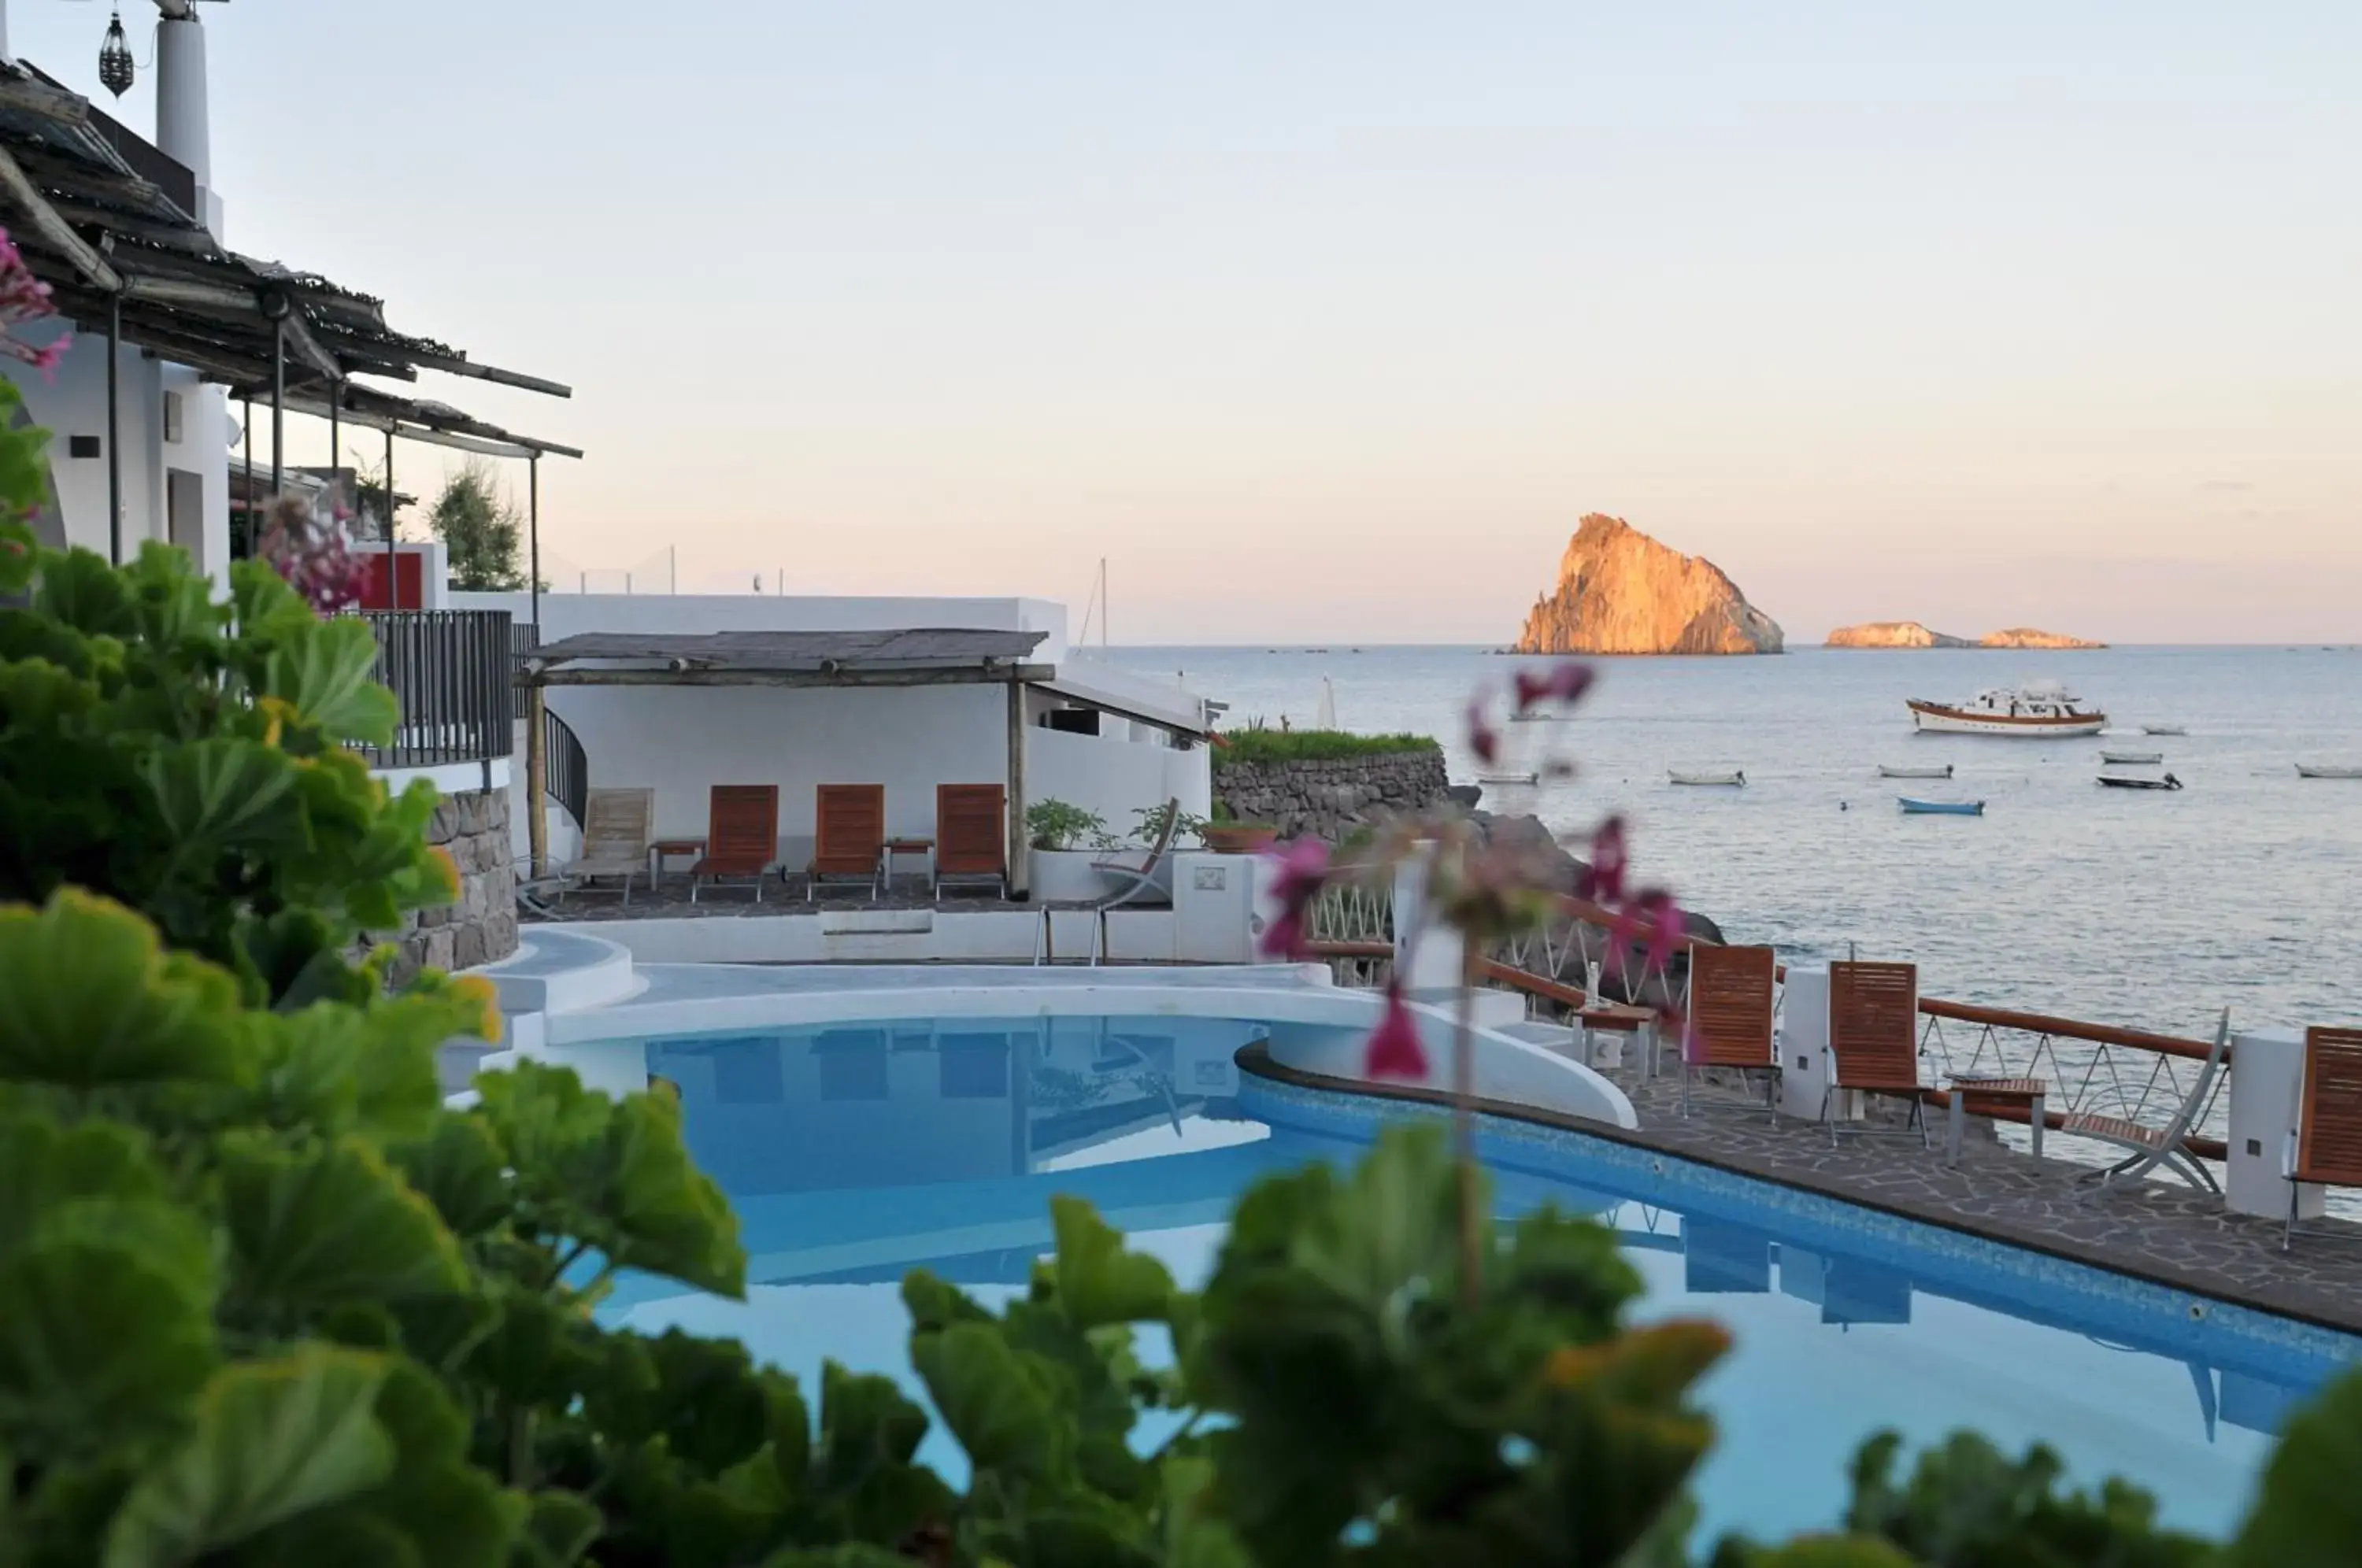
[450, 671]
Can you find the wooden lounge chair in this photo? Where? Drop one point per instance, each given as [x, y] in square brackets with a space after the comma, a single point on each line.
[615, 833]
[2148, 1147]
[849, 841]
[971, 835]
[1731, 1003]
[1874, 1037]
[1135, 874]
[742, 837]
[2325, 1150]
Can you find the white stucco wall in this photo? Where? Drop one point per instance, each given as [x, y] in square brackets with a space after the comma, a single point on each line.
[563, 615]
[72, 401]
[1116, 778]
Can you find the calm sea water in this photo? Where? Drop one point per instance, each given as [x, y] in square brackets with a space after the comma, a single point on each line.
[2243, 889]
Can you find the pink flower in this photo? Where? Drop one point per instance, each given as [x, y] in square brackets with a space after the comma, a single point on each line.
[1564, 682]
[1482, 738]
[1652, 920]
[1393, 1050]
[1303, 872]
[1283, 937]
[1603, 879]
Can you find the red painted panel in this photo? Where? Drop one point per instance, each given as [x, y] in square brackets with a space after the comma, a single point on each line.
[407, 566]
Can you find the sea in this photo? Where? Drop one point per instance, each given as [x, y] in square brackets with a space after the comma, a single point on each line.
[2144, 909]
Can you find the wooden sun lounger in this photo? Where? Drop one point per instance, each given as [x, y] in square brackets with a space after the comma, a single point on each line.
[971, 835]
[1874, 1037]
[849, 841]
[616, 828]
[1730, 1016]
[743, 839]
[2325, 1150]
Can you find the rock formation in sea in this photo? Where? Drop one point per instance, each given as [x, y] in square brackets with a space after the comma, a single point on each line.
[1893, 634]
[1620, 591]
[2028, 637]
[1912, 635]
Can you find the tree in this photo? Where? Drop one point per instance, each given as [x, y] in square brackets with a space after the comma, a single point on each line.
[480, 527]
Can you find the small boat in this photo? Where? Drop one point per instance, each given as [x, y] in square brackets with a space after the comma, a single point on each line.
[2132, 758]
[1940, 808]
[2164, 730]
[1531, 718]
[1734, 777]
[2039, 708]
[1509, 778]
[2320, 771]
[1886, 771]
[2115, 782]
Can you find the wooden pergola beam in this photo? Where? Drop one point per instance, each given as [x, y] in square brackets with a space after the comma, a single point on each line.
[966, 675]
[53, 228]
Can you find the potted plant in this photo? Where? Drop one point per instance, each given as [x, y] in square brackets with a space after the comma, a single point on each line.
[1227, 836]
[1065, 840]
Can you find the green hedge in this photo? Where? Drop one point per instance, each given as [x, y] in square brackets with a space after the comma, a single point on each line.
[1311, 746]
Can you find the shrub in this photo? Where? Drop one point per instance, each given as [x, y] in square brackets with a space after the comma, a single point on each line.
[1057, 824]
[1267, 746]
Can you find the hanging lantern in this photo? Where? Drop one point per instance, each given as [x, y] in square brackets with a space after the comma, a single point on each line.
[114, 67]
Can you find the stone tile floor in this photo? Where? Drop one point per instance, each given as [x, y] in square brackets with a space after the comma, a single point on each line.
[2157, 1230]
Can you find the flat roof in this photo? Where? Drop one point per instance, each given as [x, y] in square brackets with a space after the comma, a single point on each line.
[905, 655]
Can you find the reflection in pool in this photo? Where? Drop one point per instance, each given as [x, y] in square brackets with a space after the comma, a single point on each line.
[855, 1153]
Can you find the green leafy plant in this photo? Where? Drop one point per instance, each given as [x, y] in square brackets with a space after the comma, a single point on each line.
[1257, 745]
[1148, 824]
[1055, 824]
[481, 528]
[187, 756]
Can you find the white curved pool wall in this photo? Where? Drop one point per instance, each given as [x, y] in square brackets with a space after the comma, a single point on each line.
[581, 1000]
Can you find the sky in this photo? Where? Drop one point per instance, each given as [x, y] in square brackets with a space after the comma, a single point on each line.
[1328, 320]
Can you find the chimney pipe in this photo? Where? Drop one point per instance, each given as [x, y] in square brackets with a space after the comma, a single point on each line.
[183, 124]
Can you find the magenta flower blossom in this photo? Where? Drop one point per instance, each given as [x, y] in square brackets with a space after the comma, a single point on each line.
[1603, 879]
[313, 554]
[1393, 1050]
[1303, 872]
[25, 298]
[1483, 739]
[1563, 682]
[1651, 920]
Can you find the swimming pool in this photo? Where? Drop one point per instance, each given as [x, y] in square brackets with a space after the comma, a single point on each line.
[858, 1150]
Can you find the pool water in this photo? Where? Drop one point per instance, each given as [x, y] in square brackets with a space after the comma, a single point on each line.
[856, 1153]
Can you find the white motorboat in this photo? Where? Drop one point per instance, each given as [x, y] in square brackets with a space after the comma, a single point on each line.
[2164, 730]
[2132, 758]
[2325, 770]
[1509, 778]
[1732, 779]
[1886, 770]
[2038, 708]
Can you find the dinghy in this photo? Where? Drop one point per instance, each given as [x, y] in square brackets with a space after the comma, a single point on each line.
[1940, 808]
[1884, 771]
[2132, 758]
[2163, 730]
[1509, 778]
[2317, 770]
[1733, 777]
[2115, 782]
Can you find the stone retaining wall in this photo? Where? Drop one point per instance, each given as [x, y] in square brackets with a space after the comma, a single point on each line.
[473, 826]
[1330, 798]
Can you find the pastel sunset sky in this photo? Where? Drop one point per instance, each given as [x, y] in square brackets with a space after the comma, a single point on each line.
[1326, 320]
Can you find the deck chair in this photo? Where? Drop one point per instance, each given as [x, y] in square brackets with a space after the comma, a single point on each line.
[1874, 1037]
[1731, 1003]
[2325, 1150]
[1135, 874]
[2148, 1147]
[616, 828]
[849, 841]
[743, 836]
[971, 836]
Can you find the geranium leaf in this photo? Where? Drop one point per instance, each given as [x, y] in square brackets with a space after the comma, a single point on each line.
[331, 1224]
[88, 997]
[1098, 1282]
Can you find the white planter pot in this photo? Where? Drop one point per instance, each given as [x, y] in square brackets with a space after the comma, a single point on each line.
[1064, 876]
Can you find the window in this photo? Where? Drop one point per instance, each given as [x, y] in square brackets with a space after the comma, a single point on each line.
[171, 416]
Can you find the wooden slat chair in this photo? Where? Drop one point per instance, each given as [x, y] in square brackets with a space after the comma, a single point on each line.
[617, 826]
[742, 838]
[971, 835]
[849, 840]
[2325, 1150]
[2148, 1147]
[1730, 1016]
[1874, 1037]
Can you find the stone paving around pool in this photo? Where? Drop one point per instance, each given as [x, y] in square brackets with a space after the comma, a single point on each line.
[2159, 1231]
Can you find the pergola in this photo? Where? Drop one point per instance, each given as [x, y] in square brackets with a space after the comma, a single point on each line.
[112, 225]
[904, 658]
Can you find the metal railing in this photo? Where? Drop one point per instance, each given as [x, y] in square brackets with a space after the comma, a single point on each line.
[449, 671]
[568, 767]
[2095, 1069]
